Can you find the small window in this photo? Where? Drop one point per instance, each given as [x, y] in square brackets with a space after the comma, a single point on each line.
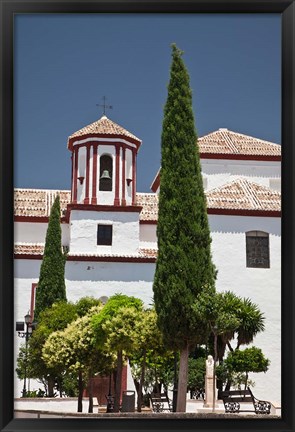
[104, 234]
[106, 173]
[257, 249]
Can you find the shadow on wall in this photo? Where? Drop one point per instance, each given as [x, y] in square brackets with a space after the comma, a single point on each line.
[243, 224]
[106, 271]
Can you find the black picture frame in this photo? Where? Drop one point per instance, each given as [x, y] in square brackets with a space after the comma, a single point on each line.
[8, 10]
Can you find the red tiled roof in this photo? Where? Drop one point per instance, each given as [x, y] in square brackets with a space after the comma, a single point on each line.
[149, 204]
[241, 194]
[224, 141]
[29, 248]
[38, 202]
[103, 126]
[38, 250]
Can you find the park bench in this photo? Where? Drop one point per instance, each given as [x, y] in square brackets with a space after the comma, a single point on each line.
[232, 400]
[160, 402]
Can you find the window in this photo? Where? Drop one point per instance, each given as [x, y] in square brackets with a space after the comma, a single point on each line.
[106, 173]
[104, 235]
[257, 249]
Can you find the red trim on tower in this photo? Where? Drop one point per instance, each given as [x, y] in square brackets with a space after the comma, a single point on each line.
[75, 175]
[133, 177]
[123, 176]
[72, 163]
[117, 180]
[104, 208]
[84, 137]
[86, 200]
[94, 175]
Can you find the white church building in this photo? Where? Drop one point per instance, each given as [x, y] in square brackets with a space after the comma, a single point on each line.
[109, 228]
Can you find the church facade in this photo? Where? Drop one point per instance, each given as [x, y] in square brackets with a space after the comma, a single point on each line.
[109, 228]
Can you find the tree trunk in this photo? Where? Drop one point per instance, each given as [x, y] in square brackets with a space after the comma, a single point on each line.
[80, 395]
[51, 382]
[214, 371]
[118, 381]
[182, 380]
[246, 381]
[90, 393]
[139, 398]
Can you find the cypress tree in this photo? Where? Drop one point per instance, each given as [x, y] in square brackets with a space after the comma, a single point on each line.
[184, 267]
[51, 285]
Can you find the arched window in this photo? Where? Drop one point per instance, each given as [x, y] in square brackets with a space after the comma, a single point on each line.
[257, 249]
[106, 173]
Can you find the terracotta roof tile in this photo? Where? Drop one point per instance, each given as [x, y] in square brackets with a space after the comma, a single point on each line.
[29, 248]
[224, 141]
[149, 253]
[149, 203]
[103, 126]
[38, 249]
[38, 202]
[241, 194]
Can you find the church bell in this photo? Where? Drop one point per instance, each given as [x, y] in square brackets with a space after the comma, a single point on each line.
[105, 175]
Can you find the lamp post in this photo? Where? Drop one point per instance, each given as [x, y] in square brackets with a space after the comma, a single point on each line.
[110, 398]
[25, 334]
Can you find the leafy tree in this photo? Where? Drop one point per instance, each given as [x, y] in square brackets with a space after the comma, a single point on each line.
[84, 305]
[184, 266]
[251, 322]
[150, 355]
[51, 284]
[51, 319]
[196, 374]
[229, 317]
[74, 350]
[115, 331]
[221, 320]
[247, 360]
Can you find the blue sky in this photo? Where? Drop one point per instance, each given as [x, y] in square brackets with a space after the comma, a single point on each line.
[64, 64]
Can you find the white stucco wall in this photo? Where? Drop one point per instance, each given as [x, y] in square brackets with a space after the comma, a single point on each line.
[148, 236]
[98, 279]
[28, 232]
[83, 232]
[262, 286]
[220, 171]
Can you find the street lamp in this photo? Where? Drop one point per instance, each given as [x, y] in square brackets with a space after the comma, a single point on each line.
[20, 326]
[109, 397]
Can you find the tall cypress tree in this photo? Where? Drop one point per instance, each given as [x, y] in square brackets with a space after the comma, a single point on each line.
[184, 267]
[51, 285]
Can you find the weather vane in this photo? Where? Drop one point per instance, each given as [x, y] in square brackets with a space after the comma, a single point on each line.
[104, 105]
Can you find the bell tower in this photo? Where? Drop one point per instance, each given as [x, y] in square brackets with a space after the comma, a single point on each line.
[103, 216]
[103, 164]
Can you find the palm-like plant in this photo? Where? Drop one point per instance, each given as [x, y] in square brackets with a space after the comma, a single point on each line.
[251, 322]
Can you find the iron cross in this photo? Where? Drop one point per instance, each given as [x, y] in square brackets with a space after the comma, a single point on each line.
[104, 105]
